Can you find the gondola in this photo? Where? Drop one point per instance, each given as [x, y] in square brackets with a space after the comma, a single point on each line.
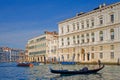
[72, 72]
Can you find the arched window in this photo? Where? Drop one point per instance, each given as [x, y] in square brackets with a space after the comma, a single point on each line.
[112, 34]
[101, 35]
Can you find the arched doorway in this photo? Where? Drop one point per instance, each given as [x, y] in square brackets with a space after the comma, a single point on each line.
[82, 54]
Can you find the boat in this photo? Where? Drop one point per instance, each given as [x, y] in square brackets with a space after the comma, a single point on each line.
[85, 70]
[24, 64]
[67, 63]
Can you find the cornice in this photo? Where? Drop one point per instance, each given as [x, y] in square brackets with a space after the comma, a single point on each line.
[91, 12]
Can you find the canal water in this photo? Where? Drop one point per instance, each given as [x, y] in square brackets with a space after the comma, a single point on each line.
[9, 71]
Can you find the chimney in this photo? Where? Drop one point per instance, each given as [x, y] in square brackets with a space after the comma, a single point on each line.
[104, 4]
[100, 6]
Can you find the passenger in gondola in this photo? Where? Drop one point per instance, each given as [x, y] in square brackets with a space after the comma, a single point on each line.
[85, 69]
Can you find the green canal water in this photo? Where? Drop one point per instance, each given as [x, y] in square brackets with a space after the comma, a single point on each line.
[9, 71]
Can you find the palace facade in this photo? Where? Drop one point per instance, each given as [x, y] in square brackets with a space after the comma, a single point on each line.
[92, 36]
[43, 47]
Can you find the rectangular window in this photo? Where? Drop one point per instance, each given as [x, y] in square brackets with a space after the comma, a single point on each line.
[82, 25]
[62, 42]
[112, 55]
[101, 38]
[93, 39]
[112, 18]
[101, 55]
[87, 23]
[101, 20]
[77, 25]
[74, 40]
[82, 40]
[68, 28]
[92, 22]
[112, 37]
[78, 39]
[87, 40]
[73, 26]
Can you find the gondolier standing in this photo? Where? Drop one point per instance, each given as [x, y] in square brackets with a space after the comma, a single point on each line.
[99, 63]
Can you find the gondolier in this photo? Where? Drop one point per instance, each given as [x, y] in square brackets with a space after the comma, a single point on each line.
[99, 63]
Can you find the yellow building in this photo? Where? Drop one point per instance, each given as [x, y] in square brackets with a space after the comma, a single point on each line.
[92, 36]
[38, 48]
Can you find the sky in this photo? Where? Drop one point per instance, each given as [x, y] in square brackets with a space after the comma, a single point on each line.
[21, 20]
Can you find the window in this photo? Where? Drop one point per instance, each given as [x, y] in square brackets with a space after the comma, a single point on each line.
[68, 40]
[87, 35]
[78, 39]
[112, 34]
[77, 25]
[92, 22]
[112, 55]
[68, 28]
[112, 18]
[101, 20]
[82, 37]
[92, 35]
[82, 25]
[74, 40]
[101, 35]
[73, 26]
[101, 55]
[62, 42]
[87, 23]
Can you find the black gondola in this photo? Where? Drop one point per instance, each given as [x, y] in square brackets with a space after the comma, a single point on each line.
[72, 72]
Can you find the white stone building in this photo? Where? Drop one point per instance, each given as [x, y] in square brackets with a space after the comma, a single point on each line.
[40, 48]
[92, 36]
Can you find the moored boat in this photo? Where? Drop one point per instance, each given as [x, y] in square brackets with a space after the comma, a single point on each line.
[68, 63]
[73, 72]
[25, 65]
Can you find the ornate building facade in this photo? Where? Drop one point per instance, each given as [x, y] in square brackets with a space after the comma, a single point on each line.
[92, 36]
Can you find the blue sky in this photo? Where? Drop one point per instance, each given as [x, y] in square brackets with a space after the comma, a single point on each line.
[21, 20]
